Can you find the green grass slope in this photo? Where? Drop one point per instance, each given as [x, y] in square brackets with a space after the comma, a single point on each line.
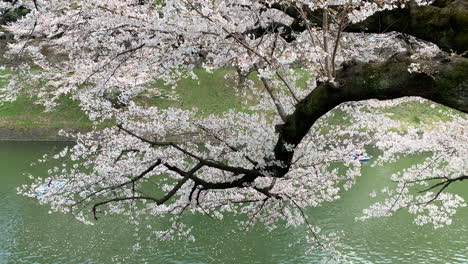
[212, 93]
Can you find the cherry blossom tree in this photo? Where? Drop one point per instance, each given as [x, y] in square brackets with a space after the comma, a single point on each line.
[268, 164]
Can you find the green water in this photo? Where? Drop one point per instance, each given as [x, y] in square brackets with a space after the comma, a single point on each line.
[29, 234]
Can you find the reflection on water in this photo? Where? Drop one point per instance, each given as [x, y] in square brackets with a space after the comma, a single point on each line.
[30, 235]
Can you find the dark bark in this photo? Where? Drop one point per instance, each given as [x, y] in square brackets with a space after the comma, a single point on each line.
[446, 85]
[444, 23]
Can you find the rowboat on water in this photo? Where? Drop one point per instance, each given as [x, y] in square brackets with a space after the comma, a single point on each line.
[49, 186]
[361, 156]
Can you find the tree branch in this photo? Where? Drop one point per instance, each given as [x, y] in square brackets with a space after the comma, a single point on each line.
[119, 199]
[362, 81]
[205, 162]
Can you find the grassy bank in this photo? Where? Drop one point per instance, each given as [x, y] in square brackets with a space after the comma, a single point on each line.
[211, 94]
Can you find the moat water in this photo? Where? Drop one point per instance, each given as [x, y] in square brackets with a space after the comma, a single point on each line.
[29, 234]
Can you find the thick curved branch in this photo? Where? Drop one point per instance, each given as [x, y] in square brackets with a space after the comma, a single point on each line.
[361, 81]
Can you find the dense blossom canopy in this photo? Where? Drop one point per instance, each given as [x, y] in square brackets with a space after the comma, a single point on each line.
[109, 54]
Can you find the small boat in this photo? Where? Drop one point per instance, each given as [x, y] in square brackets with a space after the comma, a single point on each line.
[49, 185]
[361, 156]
